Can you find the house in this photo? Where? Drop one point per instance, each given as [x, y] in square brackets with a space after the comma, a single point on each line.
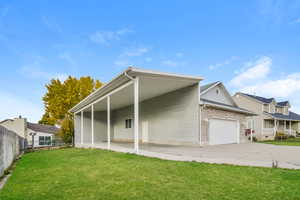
[222, 121]
[43, 134]
[144, 106]
[271, 116]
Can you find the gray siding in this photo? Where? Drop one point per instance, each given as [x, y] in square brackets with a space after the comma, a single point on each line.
[100, 127]
[173, 118]
[77, 128]
[221, 96]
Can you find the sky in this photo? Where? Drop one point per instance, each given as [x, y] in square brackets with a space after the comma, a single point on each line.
[251, 46]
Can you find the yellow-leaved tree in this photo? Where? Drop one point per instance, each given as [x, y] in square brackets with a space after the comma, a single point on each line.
[61, 97]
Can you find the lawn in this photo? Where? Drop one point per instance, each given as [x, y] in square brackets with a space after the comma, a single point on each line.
[288, 142]
[98, 174]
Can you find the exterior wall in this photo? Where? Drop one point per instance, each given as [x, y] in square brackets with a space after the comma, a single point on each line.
[10, 148]
[100, 127]
[17, 125]
[36, 138]
[220, 96]
[87, 127]
[210, 112]
[173, 118]
[257, 108]
[77, 129]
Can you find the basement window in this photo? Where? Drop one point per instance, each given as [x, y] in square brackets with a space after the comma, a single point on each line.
[128, 123]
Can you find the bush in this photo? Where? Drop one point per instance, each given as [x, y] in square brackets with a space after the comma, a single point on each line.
[281, 136]
[254, 139]
[291, 136]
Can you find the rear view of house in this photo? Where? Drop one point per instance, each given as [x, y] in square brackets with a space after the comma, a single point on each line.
[271, 117]
[143, 106]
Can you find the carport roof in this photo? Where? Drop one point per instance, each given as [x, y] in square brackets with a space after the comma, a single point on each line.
[125, 77]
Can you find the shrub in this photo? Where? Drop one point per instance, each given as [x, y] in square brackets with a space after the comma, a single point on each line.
[291, 136]
[254, 139]
[280, 136]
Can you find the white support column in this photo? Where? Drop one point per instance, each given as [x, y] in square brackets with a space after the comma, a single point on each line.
[290, 127]
[285, 126]
[251, 129]
[108, 122]
[81, 128]
[92, 123]
[275, 127]
[136, 115]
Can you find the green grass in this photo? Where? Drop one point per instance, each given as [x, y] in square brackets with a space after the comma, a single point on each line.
[288, 142]
[97, 174]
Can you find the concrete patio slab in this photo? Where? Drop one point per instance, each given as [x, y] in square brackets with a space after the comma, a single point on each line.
[250, 154]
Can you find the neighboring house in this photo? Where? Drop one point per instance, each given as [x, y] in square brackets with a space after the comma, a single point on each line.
[44, 134]
[222, 121]
[272, 116]
[144, 106]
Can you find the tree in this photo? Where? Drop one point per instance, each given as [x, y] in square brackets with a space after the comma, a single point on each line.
[61, 97]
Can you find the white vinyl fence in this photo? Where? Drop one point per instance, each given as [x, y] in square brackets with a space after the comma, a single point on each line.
[11, 146]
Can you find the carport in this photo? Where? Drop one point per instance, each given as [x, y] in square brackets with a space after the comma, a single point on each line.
[139, 106]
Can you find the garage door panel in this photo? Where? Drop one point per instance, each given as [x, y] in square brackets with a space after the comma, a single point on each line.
[222, 131]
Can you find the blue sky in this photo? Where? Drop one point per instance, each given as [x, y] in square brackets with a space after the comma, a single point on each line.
[251, 46]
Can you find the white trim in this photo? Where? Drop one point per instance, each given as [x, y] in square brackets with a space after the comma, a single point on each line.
[204, 91]
[105, 96]
[200, 115]
[238, 131]
[92, 122]
[136, 114]
[81, 127]
[137, 71]
[108, 122]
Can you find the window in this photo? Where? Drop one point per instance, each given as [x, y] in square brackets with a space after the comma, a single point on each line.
[128, 123]
[47, 140]
[44, 140]
[41, 140]
[217, 91]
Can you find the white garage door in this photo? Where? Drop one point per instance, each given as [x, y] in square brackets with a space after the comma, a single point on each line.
[222, 131]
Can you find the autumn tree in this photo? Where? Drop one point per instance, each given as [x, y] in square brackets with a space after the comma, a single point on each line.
[61, 97]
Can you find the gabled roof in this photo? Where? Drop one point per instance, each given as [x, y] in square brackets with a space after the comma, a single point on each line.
[207, 86]
[261, 99]
[226, 106]
[210, 86]
[42, 128]
[291, 116]
[283, 103]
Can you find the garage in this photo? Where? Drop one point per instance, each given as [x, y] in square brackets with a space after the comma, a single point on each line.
[223, 131]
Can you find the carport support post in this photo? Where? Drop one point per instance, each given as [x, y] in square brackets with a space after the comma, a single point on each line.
[108, 122]
[81, 127]
[92, 123]
[136, 115]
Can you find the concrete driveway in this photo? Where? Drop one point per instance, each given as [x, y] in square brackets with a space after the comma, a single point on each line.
[256, 154]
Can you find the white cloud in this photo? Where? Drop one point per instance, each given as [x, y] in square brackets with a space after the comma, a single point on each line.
[223, 63]
[104, 37]
[34, 71]
[296, 21]
[258, 69]
[135, 52]
[255, 79]
[12, 106]
[173, 63]
[148, 59]
[125, 58]
[179, 54]
[51, 24]
[68, 58]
